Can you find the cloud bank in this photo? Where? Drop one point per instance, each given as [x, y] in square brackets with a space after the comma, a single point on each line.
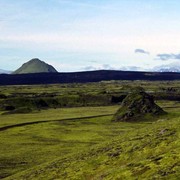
[165, 56]
[99, 67]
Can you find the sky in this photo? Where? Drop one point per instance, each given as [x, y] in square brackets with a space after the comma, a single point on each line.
[78, 35]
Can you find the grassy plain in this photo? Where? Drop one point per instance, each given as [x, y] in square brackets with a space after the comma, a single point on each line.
[83, 143]
[25, 146]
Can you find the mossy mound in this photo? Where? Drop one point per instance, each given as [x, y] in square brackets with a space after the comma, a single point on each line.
[136, 106]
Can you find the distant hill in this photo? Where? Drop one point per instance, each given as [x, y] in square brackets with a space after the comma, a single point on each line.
[35, 66]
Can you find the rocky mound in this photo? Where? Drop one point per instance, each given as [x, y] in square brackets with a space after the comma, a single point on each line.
[136, 106]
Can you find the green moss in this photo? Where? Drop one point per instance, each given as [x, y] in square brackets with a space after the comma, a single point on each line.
[51, 145]
[141, 151]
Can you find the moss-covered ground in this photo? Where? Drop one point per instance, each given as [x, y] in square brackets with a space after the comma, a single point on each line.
[83, 143]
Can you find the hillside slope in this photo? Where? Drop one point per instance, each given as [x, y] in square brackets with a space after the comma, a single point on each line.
[150, 152]
[35, 66]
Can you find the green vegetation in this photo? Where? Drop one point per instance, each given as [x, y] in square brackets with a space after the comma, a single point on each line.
[55, 142]
[152, 155]
[56, 114]
[29, 141]
[35, 66]
[77, 95]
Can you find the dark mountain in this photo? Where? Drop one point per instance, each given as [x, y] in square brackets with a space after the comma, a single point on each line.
[35, 66]
[83, 77]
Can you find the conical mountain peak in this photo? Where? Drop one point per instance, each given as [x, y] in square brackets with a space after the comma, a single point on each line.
[35, 65]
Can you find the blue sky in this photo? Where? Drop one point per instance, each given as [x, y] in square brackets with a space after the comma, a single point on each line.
[77, 35]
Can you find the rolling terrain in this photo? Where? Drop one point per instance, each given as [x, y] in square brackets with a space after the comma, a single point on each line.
[76, 138]
[91, 148]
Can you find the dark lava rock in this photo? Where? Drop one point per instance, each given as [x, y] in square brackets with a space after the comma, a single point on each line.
[21, 110]
[136, 106]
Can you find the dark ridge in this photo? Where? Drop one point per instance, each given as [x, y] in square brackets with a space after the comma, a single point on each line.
[84, 77]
